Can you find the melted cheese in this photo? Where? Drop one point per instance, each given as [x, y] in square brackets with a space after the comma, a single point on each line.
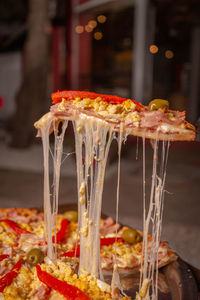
[51, 209]
[92, 146]
[115, 276]
[48, 224]
[92, 139]
[57, 159]
[152, 220]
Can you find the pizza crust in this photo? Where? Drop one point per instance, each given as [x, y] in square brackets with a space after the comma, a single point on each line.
[165, 132]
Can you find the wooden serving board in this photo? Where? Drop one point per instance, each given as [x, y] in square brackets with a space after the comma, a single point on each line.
[181, 281]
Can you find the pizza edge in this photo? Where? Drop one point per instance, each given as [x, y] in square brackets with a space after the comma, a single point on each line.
[163, 132]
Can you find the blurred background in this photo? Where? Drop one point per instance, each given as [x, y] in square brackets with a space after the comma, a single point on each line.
[142, 49]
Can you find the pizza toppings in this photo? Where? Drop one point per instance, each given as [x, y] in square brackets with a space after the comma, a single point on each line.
[33, 249]
[159, 104]
[131, 236]
[7, 279]
[3, 256]
[152, 121]
[15, 227]
[103, 242]
[35, 256]
[61, 234]
[71, 215]
[72, 95]
[143, 290]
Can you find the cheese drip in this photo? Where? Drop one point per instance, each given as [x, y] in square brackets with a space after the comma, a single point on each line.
[57, 160]
[115, 276]
[92, 140]
[152, 220]
[48, 226]
[50, 217]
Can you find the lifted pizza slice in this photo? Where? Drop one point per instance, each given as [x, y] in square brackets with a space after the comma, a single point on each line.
[156, 121]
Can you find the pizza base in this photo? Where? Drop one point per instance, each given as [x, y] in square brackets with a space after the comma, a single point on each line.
[165, 132]
[169, 258]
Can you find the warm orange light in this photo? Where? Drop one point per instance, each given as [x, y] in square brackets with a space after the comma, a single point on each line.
[153, 49]
[79, 29]
[101, 19]
[98, 35]
[92, 23]
[169, 54]
[88, 28]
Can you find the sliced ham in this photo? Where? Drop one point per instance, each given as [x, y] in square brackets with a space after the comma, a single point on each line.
[41, 293]
[108, 222]
[150, 119]
[15, 216]
[3, 270]
[108, 226]
[8, 251]
[29, 241]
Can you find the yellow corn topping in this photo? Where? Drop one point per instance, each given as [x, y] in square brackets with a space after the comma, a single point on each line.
[104, 108]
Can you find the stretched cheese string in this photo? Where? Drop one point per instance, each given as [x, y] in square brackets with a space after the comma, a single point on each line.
[153, 218]
[48, 224]
[57, 160]
[144, 202]
[115, 276]
[92, 140]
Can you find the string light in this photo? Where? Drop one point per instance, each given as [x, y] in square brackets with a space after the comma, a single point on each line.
[98, 35]
[101, 19]
[153, 49]
[169, 54]
[79, 29]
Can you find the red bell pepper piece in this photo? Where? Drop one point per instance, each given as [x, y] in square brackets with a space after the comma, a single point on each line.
[61, 234]
[3, 256]
[71, 95]
[15, 227]
[110, 241]
[103, 242]
[67, 290]
[7, 279]
[72, 253]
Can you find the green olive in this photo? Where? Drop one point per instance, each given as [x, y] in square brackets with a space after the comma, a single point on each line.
[35, 256]
[71, 215]
[158, 103]
[131, 236]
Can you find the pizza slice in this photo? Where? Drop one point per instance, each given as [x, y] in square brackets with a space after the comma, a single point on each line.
[156, 121]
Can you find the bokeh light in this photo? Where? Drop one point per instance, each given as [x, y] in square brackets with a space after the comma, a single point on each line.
[153, 49]
[169, 54]
[88, 28]
[101, 19]
[98, 35]
[92, 23]
[79, 29]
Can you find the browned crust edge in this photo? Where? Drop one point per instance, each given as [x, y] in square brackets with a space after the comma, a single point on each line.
[179, 134]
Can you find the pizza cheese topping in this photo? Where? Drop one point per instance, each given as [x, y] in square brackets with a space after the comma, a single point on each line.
[33, 251]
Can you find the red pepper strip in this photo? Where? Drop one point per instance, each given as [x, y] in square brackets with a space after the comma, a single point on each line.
[71, 95]
[72, 252]
[103, 242]
[3, 256]
[7, 279]
[15, 227]
[61, 234]
[67, 290]
[110, 241]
